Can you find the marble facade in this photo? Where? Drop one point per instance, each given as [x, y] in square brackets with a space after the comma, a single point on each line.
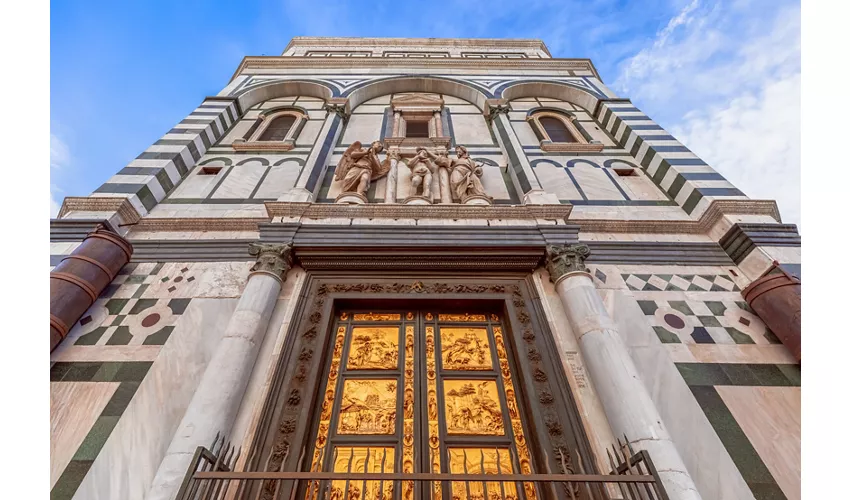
[714, 396]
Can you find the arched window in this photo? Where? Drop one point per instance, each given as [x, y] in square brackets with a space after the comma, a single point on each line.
[274, 130]
[278, 129]
[558, 131]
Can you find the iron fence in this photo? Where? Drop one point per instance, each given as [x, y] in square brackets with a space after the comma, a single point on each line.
[211, 476]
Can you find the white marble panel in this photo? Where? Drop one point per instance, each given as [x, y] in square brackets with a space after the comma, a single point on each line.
[770, 417]
[74, 408]
[363, 128]
[309, 133]
[384, 99]
[640, 187]
[369, 109]
[237, 131]
[595, 184]
[196, 185]
[126, 465]
[525, 134]
[450, 100]
[241, 181]
[465, 108]
[280, 179]
[494, 183]
[471, 129]
[555, 180]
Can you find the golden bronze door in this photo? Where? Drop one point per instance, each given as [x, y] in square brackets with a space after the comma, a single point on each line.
[420, 391]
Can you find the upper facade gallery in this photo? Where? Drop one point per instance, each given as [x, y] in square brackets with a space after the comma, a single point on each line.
[419, 256]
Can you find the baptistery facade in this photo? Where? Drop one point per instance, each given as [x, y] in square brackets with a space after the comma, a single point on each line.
[377, 268]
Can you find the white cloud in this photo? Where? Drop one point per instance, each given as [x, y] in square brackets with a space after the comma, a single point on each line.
[725, 80]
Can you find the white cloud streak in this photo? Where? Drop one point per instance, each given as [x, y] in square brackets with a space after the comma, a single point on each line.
[725, 80]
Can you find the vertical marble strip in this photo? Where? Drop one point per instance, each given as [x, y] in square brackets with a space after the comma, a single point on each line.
[433, 417]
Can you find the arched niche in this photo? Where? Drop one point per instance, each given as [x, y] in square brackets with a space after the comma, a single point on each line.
[416, 84]
[285, 88]
[552, 90]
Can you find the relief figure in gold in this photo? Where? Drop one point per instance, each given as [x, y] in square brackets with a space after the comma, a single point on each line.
[472, 407]
[373, 348]
[465, 349]
[368, 407]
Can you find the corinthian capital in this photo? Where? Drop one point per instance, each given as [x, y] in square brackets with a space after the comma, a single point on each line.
[563, 259]
[273, 259]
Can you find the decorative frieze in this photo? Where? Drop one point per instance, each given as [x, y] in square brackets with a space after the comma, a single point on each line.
[120, 205]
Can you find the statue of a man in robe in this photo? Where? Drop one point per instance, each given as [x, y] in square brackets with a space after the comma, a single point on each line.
[465, 174]
[359, 166]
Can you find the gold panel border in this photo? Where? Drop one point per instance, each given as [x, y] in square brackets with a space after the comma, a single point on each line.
[433, 414]
[377, 317]
[328, 402]
[466, 317]
[408, 410]
[513, 412]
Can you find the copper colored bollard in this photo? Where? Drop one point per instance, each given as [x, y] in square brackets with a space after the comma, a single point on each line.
[775, 298]
[80, 278]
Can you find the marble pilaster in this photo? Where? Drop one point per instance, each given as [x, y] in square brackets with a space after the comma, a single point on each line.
[628, 405]
[445, 188]
[216, 401]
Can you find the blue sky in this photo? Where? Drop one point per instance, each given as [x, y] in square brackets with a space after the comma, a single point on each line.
[723, 76]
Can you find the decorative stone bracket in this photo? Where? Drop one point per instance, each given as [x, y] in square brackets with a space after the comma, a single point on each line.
[493, 107]
[564, 259]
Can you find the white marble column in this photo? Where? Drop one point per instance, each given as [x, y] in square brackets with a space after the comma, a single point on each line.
[445, 187]
[216, 401]
[628, 405]
[392, 178]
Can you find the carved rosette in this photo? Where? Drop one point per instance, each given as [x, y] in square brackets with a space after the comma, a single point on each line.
[564, 259]
[273, 259]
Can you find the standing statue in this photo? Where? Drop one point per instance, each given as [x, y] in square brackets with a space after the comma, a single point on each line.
[466, 175]
[422, 170]
[359, 166]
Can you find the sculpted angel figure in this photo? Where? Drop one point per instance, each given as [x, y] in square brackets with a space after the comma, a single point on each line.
[359, 166]
[465, 178]
[421, 169]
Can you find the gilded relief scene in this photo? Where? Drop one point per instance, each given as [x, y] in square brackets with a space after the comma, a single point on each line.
[368, 407]
[481, 461]
[472, 407]
[363, 460]
[373, 348]
[465, 349]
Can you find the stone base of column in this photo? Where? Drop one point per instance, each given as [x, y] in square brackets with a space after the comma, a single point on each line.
[351, 199]
[416, 200]
[477, 199]
[540, 197]
[297, 195]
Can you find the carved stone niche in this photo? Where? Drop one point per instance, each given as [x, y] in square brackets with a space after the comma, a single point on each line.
[417, 122]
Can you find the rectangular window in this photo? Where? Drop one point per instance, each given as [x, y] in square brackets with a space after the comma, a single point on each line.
[417, 130]
[209, 171]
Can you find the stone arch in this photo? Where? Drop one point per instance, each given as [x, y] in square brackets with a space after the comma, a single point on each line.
[486, 161]
[359, 95]
[552, 90]
[610, 163]
[573, 163]
[264, 162]
[283, 88]
[227, 161]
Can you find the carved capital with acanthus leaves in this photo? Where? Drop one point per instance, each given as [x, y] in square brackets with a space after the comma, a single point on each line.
[274, 259]
[563, 259]
[339, 106]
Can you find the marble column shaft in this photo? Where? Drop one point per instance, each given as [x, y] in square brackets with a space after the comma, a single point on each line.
[445, 187]
[392, 181]
[628, 405]
[215, 403]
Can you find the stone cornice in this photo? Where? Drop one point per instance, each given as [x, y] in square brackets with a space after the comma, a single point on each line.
[365, 63]
[472, 43]
[715, 212]
[397, 211]
[275, 209]
[120, 205]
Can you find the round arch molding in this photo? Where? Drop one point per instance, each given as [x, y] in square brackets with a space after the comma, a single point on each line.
[429, 85]
[283, 88]
[552, 90]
